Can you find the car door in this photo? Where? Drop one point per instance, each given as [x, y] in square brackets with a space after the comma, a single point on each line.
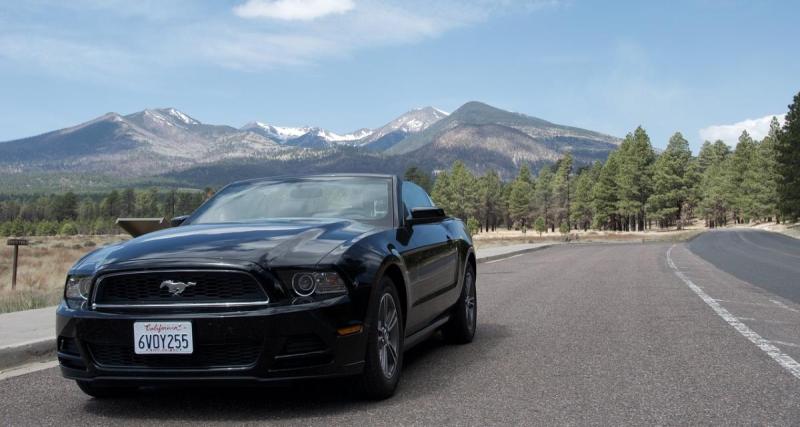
[431, 257]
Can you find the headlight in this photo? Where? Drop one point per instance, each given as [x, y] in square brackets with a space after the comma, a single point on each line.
[309, 283]
[77, 290]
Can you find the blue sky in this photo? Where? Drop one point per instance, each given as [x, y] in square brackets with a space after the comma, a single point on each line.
[701, 67]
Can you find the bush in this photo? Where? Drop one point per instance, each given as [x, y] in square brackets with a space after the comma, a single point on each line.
[17, 228]
[46, 228]
[473, 225]
[68, 229]
[540, 226]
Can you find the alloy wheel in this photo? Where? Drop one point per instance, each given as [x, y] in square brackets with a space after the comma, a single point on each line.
[388, 335]
[469, 301]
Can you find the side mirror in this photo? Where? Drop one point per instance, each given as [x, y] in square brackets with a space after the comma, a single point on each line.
[426, 215]
[178, 220]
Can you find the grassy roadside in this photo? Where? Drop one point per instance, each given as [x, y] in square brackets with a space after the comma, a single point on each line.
[42, 269]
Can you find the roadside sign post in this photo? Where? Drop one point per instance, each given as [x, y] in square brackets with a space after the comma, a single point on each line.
[16, 243]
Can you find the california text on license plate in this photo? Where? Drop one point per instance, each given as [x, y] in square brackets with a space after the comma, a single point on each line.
[162, 337]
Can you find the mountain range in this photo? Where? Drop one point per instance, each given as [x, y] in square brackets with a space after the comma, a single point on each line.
[168, 143]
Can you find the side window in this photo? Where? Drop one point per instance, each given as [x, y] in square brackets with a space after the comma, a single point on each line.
[415, 197]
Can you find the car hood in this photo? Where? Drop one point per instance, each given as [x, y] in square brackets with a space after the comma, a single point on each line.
[268, 244]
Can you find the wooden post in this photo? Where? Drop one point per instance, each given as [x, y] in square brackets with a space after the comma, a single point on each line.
[16, 243]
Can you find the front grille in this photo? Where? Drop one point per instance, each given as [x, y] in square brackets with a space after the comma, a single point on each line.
[208, 356]
[209, 287]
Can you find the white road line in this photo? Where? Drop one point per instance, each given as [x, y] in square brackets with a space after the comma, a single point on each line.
[503, 259]
[787, 344]
[782, 305]
[27, 369]
[777, 322]
[775, 353]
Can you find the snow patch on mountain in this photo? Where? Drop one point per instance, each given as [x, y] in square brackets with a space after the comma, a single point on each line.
[181, 116]
[413, 121]
[278, 133]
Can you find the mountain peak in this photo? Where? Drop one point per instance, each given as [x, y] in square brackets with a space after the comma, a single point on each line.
[171, 114]
[431, 110]
[476, 114]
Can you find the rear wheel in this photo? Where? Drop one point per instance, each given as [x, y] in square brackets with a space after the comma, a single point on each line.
[461, 327]
[101, 392]
[384, 358]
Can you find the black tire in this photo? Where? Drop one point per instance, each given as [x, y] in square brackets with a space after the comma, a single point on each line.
[103, 392]
[375, 383]
[461, 327]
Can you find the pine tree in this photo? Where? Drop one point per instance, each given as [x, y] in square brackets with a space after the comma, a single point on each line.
[127, 202]
[635, 178]
[441, 193]
[540, 226]
[519, 199]
[743, 178]
[788, 149]
[766, 174]
[582, 212]
[491, 195]
[670, 184]
[604, 195]
[457, 192]
[716, 187]
[543, 196]
[465, 191]
[562, 189]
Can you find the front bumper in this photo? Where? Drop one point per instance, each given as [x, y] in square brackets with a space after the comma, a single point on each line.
[273, 344]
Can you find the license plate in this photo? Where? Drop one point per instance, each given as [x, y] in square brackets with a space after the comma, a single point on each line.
[162, 337]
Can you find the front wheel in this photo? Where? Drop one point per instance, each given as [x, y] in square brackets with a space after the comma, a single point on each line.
[384, 358]
[461, 327]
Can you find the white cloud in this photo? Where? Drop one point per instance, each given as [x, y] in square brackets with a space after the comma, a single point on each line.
[290, 10]
[757, 128]
[373, 23]
[123, 39]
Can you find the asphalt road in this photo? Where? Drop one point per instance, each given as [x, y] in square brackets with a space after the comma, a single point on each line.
[768, 260]
[577, 334]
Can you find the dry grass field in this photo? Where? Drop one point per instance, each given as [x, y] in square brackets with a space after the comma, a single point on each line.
[510, 237]
[42, 269]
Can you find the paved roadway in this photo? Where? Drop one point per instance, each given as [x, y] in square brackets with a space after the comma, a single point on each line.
[768, 260]
[574, 334]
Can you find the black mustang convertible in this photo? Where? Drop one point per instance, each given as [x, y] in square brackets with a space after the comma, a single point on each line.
[272, 280]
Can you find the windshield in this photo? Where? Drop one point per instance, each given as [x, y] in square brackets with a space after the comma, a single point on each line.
[358, 198]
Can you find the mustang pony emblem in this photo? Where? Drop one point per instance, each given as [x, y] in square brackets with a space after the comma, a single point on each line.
[176, 288]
